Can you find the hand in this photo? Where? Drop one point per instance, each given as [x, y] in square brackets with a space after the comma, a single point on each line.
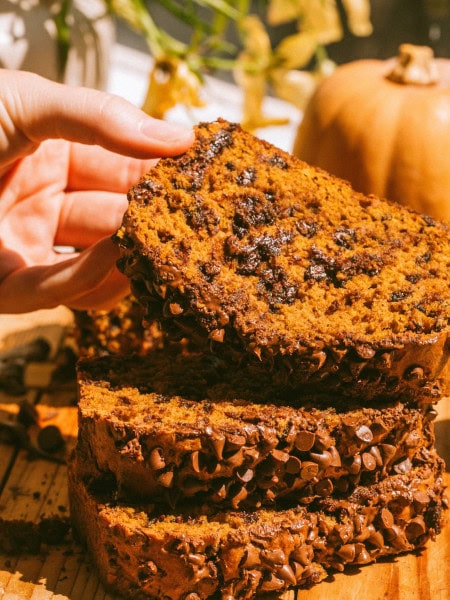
[67, 158]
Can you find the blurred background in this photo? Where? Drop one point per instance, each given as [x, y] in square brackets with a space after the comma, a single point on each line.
[257, 62]
[394, 22]
[28, 28]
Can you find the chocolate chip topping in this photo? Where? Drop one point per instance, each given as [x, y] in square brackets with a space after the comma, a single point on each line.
[228, 233]
[244, 554]
[177, 427]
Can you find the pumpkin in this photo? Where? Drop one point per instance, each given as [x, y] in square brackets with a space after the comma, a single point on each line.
[384, 125]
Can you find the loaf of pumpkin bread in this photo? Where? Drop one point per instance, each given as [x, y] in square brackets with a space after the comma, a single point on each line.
[171, 427]
[256, 255]
[142, 552]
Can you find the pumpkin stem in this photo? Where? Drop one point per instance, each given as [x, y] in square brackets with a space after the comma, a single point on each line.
[414, 65]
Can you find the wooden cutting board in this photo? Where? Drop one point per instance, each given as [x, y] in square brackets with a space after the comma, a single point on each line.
[32, 488]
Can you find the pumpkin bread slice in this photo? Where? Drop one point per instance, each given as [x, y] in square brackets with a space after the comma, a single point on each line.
[143, 552]
[172, 427]
[253, 253]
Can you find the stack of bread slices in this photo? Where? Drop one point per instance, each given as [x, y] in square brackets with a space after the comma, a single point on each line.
[293, 435]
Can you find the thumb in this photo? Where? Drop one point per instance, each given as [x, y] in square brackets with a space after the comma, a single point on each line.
[40, 109]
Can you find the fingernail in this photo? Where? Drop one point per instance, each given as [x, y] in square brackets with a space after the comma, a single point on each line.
[165, 131]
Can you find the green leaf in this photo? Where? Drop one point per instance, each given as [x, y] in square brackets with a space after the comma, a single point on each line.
[63, 35]
[222, 7]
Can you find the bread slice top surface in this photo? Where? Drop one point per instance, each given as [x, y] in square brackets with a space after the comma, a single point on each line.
[242, 242]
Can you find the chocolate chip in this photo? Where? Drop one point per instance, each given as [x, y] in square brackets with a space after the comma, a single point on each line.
[396, 537]
[307, 229]
[165, 479]
[323, 459]
[386, 518]
[344, 236]
[369, 462]
[196, 559]
[309, 470]
[413, 439]
[237, 495]
[220, 493]
[431, 414]
[324, 487]
[245, 474]
[234, 441]
[251, 557]
[403, 467]
[293, 465]
[236, 458]
[297, 569]
[375, 452]
[194, 460]
[304, 554]
[343, 532]
[421, 501]
[156, 459]
[399, 295]
[415, 528]
[347, 552]
[364, 434]
[270, 495]
[304, 440]
[363, 556]
[217, 442]
[275, 557]
[272, 584]
[376, 539]
[251, 457]
[279, 456]
[287, 574]
[50, 439]
[388, 452]
[359, 522]
[335, 457]
[355, 466]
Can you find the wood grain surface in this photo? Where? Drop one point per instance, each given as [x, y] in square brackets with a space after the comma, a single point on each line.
[34, 487]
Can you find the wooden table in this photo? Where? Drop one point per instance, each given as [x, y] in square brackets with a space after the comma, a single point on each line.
[31, 488]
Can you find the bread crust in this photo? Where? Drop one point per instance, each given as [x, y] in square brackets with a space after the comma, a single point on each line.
[171, 427]
[256, 255]
[142, 553]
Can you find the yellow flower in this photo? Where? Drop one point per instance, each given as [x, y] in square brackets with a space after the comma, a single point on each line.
[321, 17]
[358, 16]
[318, 18]
[171, 82]
[296, 86]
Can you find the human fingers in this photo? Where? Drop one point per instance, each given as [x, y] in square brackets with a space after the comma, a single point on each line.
[36, 109]
[94, 168]
[89, 280]
[87, 216]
